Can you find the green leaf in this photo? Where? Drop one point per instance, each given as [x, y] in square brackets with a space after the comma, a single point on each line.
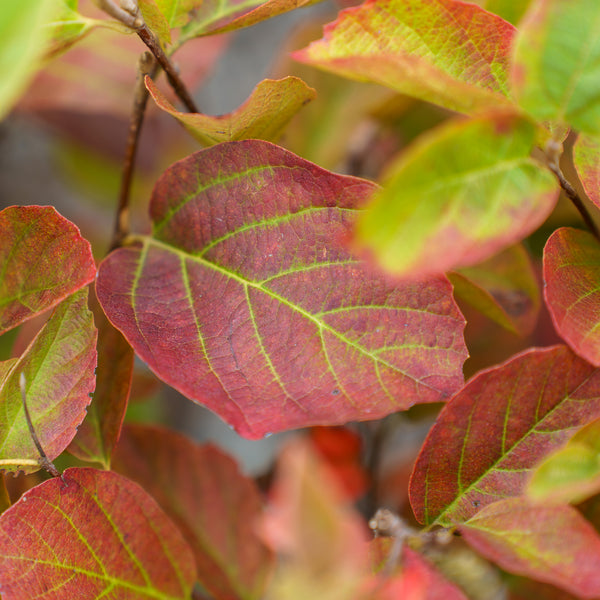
[557, 63]
[245, 290]
[504, 288]
[444, 51]
[59, 373]
[263, 116]
[510, 10]
[92, 534]
[457, 196]
[156, 19]
[22, 41]
[571, 474]
[586, 157]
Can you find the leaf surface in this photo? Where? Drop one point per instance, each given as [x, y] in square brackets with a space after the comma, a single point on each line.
[94, 535]
[504, 422]
[263, 116]
[551, 543]
[572, 289]
[99, 432]
[509, 10]
[218, 16]
[571, 474]
[245, 292]
[59, 372]
[586, 157]
[504, 288]
[444, 51]
[557, 63]
[212, 503]
[43, 259]
[457, 196]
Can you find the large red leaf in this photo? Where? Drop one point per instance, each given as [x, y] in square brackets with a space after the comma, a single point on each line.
[572, 277]
[448, 52]
[212, 503]
[92, 534]
[99, 432]
[43, 259]
[489, 437]
[551, 543]
[245, 299]
[59, 369]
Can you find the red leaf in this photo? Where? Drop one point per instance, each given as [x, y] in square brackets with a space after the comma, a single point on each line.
[59, 373]
[490, 435]
[93, 534]
[571, 275]
[99, 432]
[245, 292]
[448, 52]
[43, 259]
[551, 543]
[212, 503]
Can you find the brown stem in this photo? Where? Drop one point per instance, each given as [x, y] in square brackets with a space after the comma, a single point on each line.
[177, 84]
[574, 197]
[146, 66]
[44, 461]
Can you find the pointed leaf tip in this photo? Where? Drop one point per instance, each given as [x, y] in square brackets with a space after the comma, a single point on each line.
[245, 292]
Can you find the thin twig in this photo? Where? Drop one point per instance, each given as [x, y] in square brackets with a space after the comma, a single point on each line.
[43, 461]
[177, 84]
[553, 164]
[146, 66]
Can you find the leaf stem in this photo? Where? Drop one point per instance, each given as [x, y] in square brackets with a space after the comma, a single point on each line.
[177, 84]
[146, 66]
[553, 165]
[43, 461]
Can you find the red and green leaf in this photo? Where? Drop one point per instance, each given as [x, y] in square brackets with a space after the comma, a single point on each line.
[458, 196]
[572, 289]
[557, 63]
[504, 288]
[444, 51]
[509, 10]
[43, 259]
[551, 543]
[92, 534]
[571, 474]
[506, 420]
[99, 432]
[245, 299]
[263, 116]
[586, 156]
[59, 373]
[213, 504]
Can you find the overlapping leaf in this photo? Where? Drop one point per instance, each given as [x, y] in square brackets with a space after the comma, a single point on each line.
[504, 288]
[59, 372]
[213, 504]
[490, 436]
[320, 537]
[557, 63]
[549, 543]
[571, 474]
[92, 534]
[99, 432]
[43, 259]
[217, 16]
[246, 300]
[458, 196]
[586, 156]
[263, 116]
[444, 51]
[509, 10]
[572, 289]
